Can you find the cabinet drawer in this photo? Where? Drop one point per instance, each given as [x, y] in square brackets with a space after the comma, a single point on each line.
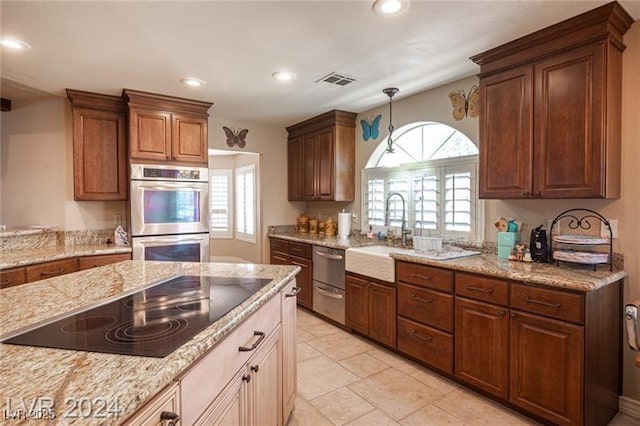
[425, 276]
[51, 269]
[11, 277]
[166, 401]
[204, 381]
[426, 344]
[426, 306]
[556, 304]
[89, 262]
[300, 250]
[279, 245]
[482, 288]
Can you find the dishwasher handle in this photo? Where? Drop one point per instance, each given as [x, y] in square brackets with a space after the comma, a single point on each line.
[329, 256]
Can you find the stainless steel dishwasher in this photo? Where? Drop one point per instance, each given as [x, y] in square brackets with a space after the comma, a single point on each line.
[328, 283]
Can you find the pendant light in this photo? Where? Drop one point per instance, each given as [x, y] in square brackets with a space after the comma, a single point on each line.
[390, 91]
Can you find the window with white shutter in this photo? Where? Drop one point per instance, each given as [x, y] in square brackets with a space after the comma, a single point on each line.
[221, 203]
[436, 176]
[246, 203]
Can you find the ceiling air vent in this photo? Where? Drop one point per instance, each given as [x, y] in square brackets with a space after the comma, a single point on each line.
[337, 79]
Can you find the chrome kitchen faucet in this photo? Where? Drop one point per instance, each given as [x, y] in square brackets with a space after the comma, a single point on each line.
[403, 228]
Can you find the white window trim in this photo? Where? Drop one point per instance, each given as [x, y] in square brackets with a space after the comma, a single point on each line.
[239, 234]
[228, 233]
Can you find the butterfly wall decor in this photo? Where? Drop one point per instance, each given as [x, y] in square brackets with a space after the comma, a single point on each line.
[370, 129]
[236, 136]
[465, 104]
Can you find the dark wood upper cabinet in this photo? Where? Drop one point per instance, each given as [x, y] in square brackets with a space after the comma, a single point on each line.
[321, 158]
[550, 115]
[167, 129]
[99, 146]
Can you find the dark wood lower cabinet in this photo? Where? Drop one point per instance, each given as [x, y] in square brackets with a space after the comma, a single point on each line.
[426, 344]
[51, 269]
[304, 280]
[546, 368]
[481, 346]
[371, 309]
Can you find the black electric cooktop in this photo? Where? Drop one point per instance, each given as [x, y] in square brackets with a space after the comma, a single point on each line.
[152, 322]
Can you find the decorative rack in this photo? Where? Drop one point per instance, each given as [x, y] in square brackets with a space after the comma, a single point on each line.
[581, 221]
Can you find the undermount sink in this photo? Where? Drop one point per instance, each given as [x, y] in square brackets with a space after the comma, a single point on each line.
[373, 261]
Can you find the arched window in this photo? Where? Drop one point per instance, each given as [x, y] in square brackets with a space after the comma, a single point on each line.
[434, 169]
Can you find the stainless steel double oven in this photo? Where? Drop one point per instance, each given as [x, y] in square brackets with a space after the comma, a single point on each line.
[170, 213]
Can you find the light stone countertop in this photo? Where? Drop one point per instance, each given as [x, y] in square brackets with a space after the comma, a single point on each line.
[567, 276]
[27, 230]
[16, 258]
[67, 376]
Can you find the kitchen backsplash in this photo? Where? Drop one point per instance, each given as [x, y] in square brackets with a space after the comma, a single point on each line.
[27, 238]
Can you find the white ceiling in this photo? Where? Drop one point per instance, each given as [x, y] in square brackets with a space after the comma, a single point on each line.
[235, 46]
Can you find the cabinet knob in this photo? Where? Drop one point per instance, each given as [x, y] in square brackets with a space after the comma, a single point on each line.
[514, 315]
[169, 418]
[246, 378]
[526, 194]
[537, 194]
[255, 368]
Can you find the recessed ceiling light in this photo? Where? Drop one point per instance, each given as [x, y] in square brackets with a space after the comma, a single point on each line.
[283, 75]
[390, 7]
[193, 82]
[13, 43]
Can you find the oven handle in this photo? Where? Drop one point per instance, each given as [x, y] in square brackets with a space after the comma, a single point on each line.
[329, 256]
[171, 185]
[328, 293]
[156, 242]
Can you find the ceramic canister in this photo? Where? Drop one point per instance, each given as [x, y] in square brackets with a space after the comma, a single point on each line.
[313, 226]
[303, 224]
[321, 227]
[330, 228]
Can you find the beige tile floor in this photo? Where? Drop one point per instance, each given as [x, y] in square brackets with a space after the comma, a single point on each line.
[344, 379]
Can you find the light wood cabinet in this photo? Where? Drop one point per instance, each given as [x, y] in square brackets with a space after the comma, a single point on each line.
[550, 115]
[371, 309]
[162, 410]
[321, 158]
[289, 349]
[167, 129]
[99, 147]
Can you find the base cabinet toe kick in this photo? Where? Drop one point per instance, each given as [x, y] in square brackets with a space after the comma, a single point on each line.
[246, 379]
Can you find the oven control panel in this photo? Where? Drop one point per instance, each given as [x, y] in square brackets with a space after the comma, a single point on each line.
[169, 172]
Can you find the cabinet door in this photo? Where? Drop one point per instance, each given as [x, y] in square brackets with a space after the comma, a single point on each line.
[304, 280]
[88, 262]
[266, 381]
[482, 346]
[13, 276]
[506, 125]
[289, 350]
[569, 137]
[278, 258]
[189, 139]
[99, 157]
[547, 367]
[295, 166]
[325, 163]
[159, 412]
[309, 174]
[150, 135]
[382, 314]
[230, 408]
[45, 270]
[357, 304]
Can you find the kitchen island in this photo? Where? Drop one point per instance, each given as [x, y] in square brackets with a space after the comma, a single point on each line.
[97, 388]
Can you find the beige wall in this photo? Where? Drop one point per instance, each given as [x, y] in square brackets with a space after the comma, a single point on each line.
[270, 143]
[231, 246]
[36, 169]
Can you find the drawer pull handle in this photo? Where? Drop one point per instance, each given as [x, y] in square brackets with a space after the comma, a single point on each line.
[295, 292]
[421, 277]
[420, 299]
[328, 293]
[5, 282]
[480, 289]
[57, 271]
[414, 333]
[543, 303]
[169, 416]
[255, 344]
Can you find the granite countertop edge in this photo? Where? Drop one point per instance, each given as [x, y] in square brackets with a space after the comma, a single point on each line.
[570, 277]
[17, 258]
[91, 375]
